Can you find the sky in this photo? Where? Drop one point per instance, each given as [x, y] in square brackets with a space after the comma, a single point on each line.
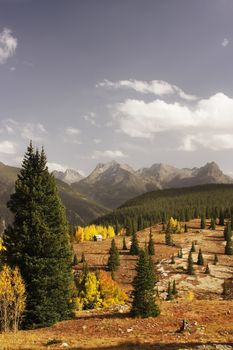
[137, 81]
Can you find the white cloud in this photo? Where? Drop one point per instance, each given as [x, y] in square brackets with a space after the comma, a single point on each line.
[109, 154]
[7, 147]
[215, 142]
[225, 42]
[156, 87]
[12, 69]
[72, 131]
[56, 166]
[208, 123]
[141, 119]
[91, 118]
[34, 132]
[97, 141]
[8, 45]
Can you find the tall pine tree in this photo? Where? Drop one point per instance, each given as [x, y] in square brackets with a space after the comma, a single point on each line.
[38, 242]
[144, 294]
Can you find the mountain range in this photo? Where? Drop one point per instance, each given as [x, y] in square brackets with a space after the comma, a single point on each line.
[112, 183]
[80, 210]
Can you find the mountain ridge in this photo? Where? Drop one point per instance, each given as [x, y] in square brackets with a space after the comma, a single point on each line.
[112, 183]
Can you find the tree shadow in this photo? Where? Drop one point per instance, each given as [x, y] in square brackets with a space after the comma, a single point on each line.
[156, 346]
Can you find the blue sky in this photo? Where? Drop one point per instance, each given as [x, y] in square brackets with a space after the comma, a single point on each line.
[138, 81]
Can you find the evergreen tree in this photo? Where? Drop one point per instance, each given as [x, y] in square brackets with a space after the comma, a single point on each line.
[151, 248]
[225, 290]
[75, 260]
[229, 247]
[227, 231]
[207, 270]
[212, 224]
[173, 259]
[215, 259]
[83, 258]
[134, 249]
[143, 294]
[232, 221]
[203, 222]
[124, 247]
[174, 290]
[114, 258]
[190, 268]
[168, 238]
[200, 259]
[169, 292]
[193, 248]
[38, 243]
[221, 218]
[185, 228]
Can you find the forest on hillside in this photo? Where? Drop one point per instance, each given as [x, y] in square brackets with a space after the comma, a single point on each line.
[211, 201]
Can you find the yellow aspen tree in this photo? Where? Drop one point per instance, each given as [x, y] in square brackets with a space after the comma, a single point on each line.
[19, 298]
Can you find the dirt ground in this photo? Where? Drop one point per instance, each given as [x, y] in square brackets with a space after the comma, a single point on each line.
[209, 316]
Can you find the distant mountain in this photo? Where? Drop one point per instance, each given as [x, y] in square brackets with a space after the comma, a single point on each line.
[69, 176]
[80, 209]
[111, 184]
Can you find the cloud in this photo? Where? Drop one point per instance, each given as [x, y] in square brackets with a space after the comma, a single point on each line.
[56, 166]
[215, 142]
[97, 141]
[34, 132]
[7, 147]
[72, 131]
[156, 87]
[208, 123]
[225, 42]
[109, 154]
[90, 117]
[28, 131]
[8, 45]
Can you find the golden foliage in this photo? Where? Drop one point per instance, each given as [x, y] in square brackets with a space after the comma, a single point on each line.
[190, 295]
[173, 226]
[98, 291]
[87, 233]
[12, 298]
[1, 245]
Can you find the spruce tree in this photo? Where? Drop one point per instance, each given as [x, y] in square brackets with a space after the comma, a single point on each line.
[215, 259]
[174, 289]
[173, 259]
[212, 224]
[169, 292]
[75, 260]
[221, 218]
[151, 248]
[190, 268]
[38, 243]
[229, 247]
[83, 258]
[185, 228]
[193, 248]
[200, 259]
[227, 231]
[143, 294]
[203, 222]
[114, 258]
[207, 270]
[168, 238]
[134, 249]
[124, 246]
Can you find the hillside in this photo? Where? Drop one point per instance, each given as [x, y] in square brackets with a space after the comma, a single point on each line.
[111, 184]
[208, 312]
[80, 209]
[188, 201]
